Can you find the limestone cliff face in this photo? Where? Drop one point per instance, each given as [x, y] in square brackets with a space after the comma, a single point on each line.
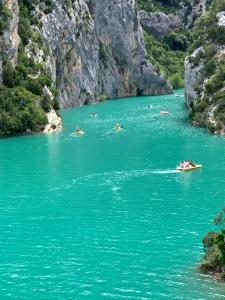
[159, 23]
[83, 49]
[9, 40]
[193, 70]
[192, 76]
[96, 48]
[205, 69]
[198, 8]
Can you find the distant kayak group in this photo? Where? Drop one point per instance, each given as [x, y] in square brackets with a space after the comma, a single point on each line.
[187, 165]
[80, 132]
[162, 112]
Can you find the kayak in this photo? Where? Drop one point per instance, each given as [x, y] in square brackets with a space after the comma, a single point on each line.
[118, 129]
[149, 107]
[79, 133]
[189, 168]
[164, 112]
[93, 115]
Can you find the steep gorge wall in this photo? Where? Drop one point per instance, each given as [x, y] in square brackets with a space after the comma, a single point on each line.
[205, 69]
[86, 50]
[9, 40]
[96, 48]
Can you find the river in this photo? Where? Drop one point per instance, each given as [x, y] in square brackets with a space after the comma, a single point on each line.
[106, 216]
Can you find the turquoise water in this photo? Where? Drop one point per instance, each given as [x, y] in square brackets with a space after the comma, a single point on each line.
[106, 216]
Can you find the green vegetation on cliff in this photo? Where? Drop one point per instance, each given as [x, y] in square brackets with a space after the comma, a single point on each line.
[5, 16]
[209, 107]
[214, 247]
[168, 55]
[24, 99]
[19, 111]
[161, 5]
[207, 31]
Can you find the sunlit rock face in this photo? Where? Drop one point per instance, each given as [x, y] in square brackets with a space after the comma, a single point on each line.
[221, 19]
[97, 48]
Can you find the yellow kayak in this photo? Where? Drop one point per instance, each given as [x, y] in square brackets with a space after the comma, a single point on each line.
[117, 129]
[189, 168]
[80, 133]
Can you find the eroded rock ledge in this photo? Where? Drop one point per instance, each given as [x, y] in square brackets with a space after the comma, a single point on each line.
[159, 23]
[54, 122]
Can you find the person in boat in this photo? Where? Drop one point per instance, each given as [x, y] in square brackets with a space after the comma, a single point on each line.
[118, 126]
[191, 164]
[184, 164]
[93, 115]
[79, 131]
[187, 164]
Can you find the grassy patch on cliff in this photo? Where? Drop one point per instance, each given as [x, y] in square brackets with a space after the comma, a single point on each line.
[167, 6]
[168, 55]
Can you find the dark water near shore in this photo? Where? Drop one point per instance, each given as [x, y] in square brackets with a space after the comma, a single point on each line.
[106, 216]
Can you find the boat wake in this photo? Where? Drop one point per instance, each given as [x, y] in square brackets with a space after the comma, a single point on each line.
[166, 172]
[107, 178]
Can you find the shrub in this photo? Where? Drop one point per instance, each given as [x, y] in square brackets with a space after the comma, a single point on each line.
[11, 77]
[221, 117]
[19, 111]
[169, 62]
[34, 86]
[55, 104]
[49, 7]
[200, 106]
[198, 118]
[44, 80]
[176, 41]
[166, 6]
[209, 86]
[24, 28]
[45, 102]
[177, 81]
[210, 67]
[214, 247]
[5, 16]
[103, 56]
[103, 98]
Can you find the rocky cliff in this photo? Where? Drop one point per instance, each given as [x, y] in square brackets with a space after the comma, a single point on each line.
[158, 23]
[166, 33]
[96, 49]
[205, 69]
[76, 51]
[9, 39]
